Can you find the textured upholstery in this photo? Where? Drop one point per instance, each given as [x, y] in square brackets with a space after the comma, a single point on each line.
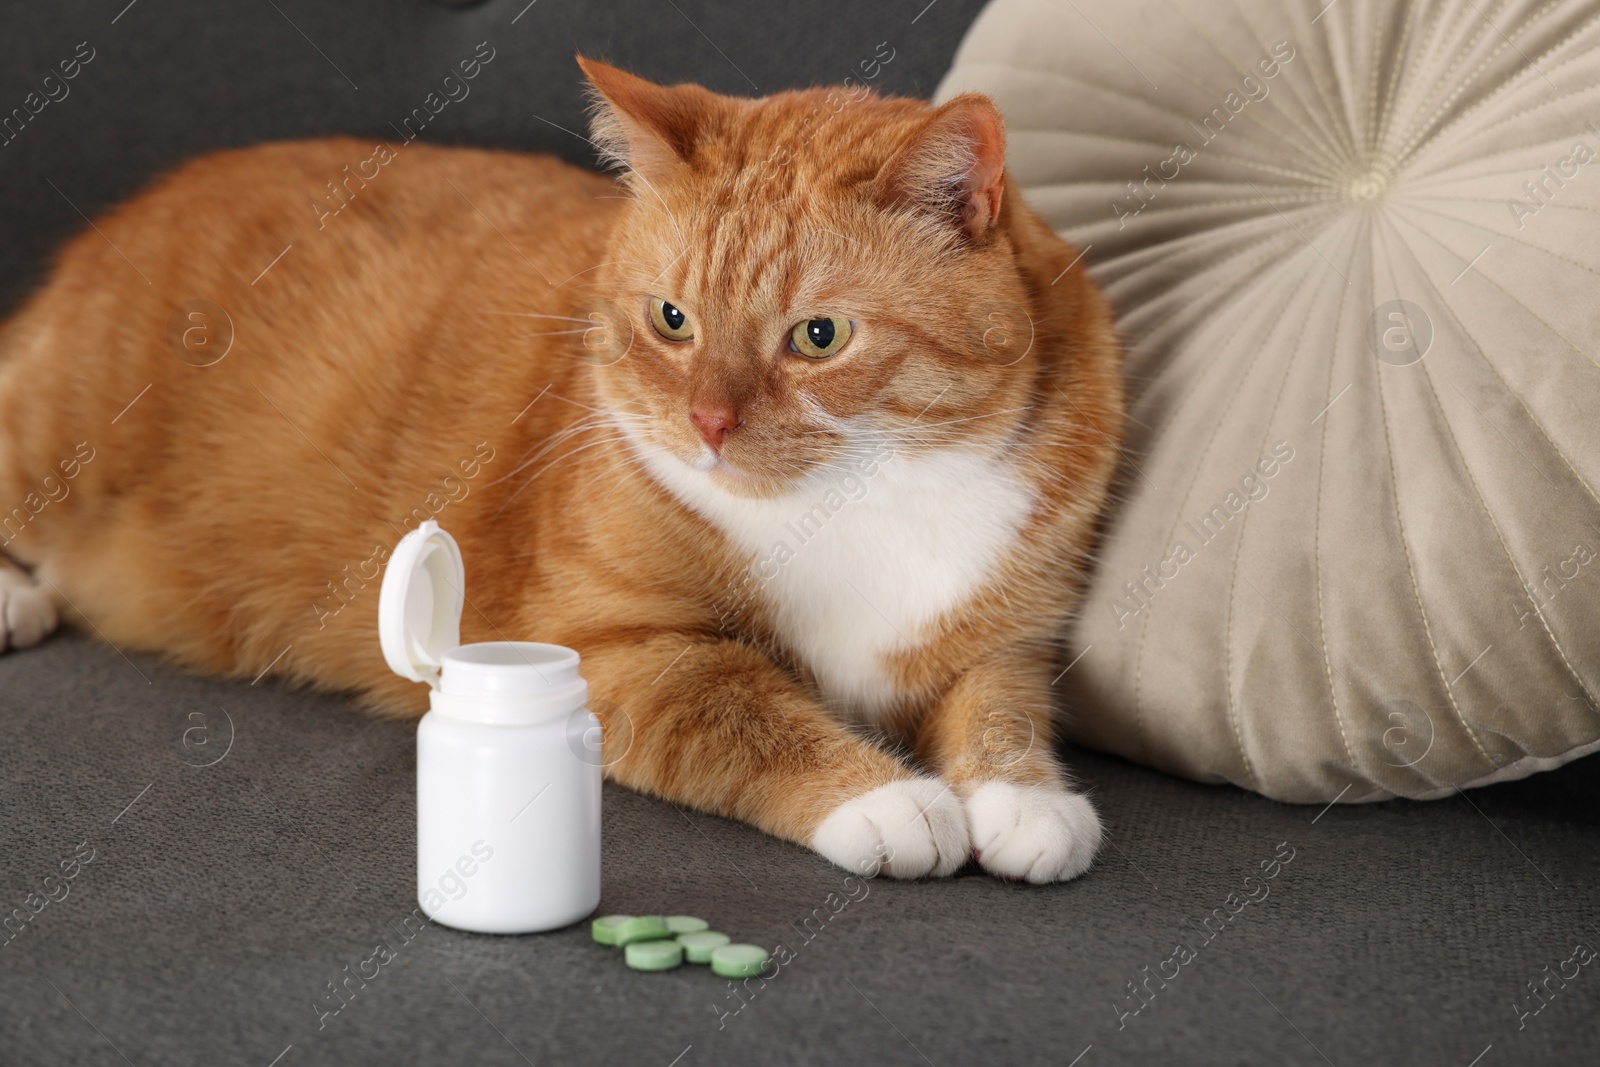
[1354, 253]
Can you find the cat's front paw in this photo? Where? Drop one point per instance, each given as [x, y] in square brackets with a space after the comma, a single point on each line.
[1040, 833]
[905, 829]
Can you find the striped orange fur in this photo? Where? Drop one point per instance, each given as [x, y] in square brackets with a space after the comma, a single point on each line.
[824, 596]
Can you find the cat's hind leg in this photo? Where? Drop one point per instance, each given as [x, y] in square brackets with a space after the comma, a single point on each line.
[27, 613]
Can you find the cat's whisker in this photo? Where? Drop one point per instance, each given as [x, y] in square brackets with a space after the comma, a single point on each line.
[559, 460]
[597, 421]
[608, 263]
[528, 463]
[533, 315]
[611, 410]
[622, 474]
[587, 422]
[555, 440]
[586, 407]
[917, 427]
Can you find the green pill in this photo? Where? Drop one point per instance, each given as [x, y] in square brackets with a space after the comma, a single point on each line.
[604, 929]
[642, 928]
[699, 944]
[738, 961]
[686, 924]
[654, 955]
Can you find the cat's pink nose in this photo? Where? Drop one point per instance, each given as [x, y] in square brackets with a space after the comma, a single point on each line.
[714, 421]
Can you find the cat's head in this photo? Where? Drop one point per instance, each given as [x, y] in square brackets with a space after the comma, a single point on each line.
[804, 279]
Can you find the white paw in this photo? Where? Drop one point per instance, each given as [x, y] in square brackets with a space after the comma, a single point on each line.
[1040, 833]
[904, 829]
[26, 614]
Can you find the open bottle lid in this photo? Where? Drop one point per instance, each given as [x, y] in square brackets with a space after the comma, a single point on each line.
[419, 607]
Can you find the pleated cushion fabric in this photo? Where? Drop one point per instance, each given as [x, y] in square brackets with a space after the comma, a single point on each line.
[1355, 253]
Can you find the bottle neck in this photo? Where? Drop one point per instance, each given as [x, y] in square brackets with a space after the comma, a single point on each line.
[509, 683]
[509, 710]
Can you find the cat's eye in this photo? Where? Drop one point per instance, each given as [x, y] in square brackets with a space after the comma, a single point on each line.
[670, 322]
[820, 338]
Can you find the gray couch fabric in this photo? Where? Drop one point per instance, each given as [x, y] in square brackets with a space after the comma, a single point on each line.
[188, 865]
[229, 884]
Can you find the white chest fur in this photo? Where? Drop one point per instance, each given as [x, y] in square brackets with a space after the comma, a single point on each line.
[854, 567]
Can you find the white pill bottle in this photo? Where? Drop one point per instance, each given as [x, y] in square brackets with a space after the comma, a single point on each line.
[508, 757]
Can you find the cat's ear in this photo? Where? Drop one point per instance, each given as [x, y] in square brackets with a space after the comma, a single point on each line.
[645, 127]
[955, 164]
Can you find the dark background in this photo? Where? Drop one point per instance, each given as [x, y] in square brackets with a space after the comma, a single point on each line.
[173, 79]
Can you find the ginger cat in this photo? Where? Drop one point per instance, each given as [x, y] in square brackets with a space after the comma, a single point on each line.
[799, 435]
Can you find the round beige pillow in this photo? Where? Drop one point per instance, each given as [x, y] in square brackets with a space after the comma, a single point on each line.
[1356, 257]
